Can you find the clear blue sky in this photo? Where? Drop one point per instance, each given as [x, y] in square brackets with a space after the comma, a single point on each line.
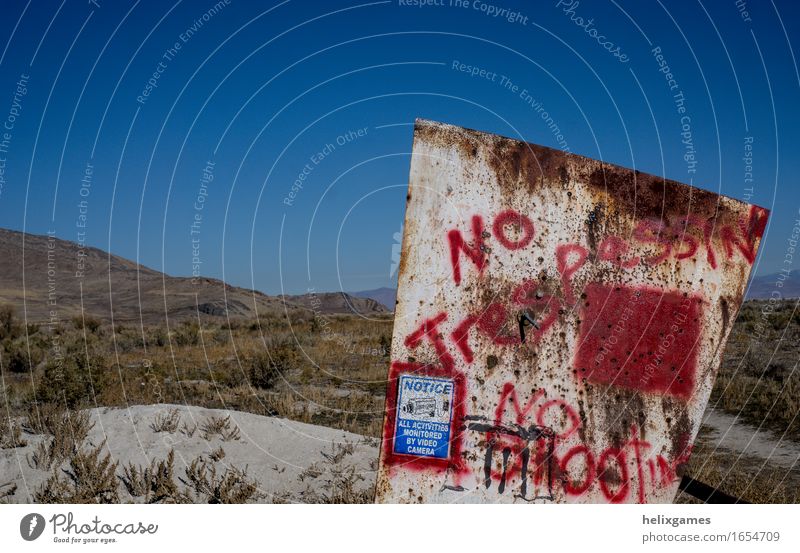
[259, 90]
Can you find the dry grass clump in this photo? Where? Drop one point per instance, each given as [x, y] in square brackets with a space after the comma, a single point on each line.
[776, 403]
[343, 487]
[187, 430]
[68, 430]
[251, 366]
[339, 452]
[23, 354]
[232, 486]
[90, 478]
[167, 422]
[202, 482]
[341, 483]
[268, 366]
[10, 434]
[7, 490]
[86, 322]
[748, 479]
[54, 419]
[217, 454]
[156, 483]
[220, 426]
[759, 379]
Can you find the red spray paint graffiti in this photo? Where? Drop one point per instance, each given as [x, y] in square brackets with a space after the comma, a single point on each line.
[672, 237]
[476, 253]
[652, 346]
[604, 273]
[654, 351]
[617, 471]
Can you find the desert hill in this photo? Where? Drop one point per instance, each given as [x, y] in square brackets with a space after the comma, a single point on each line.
[40, 274]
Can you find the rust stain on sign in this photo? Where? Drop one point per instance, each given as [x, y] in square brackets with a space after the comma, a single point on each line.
[559, 326]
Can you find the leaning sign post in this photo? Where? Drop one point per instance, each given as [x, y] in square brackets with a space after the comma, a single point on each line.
[559, 325]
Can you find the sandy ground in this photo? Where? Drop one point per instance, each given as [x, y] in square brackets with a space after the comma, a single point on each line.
[276, 452]
[728, 432]
[290, 460]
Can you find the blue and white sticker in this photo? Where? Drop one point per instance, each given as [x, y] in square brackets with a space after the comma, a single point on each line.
[424, 414]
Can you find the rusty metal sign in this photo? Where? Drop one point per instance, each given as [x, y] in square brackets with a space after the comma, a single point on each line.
[559, 326]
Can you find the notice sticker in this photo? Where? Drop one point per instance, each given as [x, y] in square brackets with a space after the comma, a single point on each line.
[424, 413]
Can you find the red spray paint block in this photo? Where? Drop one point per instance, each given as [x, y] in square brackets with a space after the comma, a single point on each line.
[639, 338]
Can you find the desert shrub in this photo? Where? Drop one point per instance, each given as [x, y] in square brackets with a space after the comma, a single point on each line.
[9, 327]
[301, 317]
[221, 426]
[217, 454]
[90, 478]
[344, 486]
[731, 473]
[7, 490]
[188, 431]
[10, 434]
[53, 419]
[16, 356]
[761, 401]
[73, 379]
[338, 452]
[756, 359]
[187, 334]
[232, 486]
[67, 429]
[384, 345]
[128, 340]
[263, 371]
[49, 453]
[228, 372]
[86, 322]
[232, 325]
[266, 367]
[342, 483]
[157, 336]
[156, 483]
[167, 422]
[221, 336]
[24, 354]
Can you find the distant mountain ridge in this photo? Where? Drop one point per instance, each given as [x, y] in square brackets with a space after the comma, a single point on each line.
[766, 286]
[112, 286]
[134, 292]
[387, 297]
[761, 287]
[336, 302]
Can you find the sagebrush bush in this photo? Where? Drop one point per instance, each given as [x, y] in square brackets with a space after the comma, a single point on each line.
[220, 426]
[86, 322]
[731, 473]
[168, 421]
[9, 327]
[187, 334]
[157, 337]
[156, 483]
[267, 366]
[73, 379]
[54, 419]
[16, 356]
[67, 431]
[90, 478]
[232, 486]
[10, 434]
